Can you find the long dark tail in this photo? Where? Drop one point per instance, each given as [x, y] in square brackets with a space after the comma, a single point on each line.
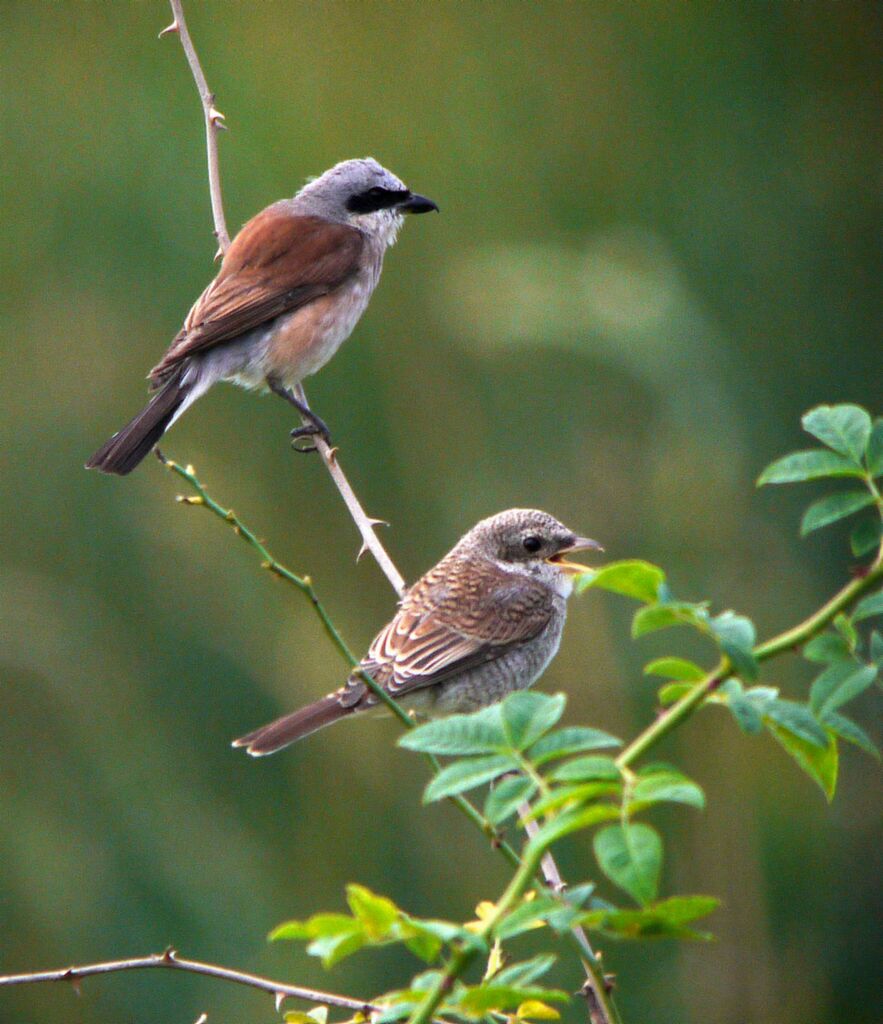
[290, 728]
[129, 446]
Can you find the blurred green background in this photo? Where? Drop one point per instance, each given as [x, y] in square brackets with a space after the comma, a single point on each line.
[657, 247]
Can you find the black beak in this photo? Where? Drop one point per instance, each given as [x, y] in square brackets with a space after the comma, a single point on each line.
[417, 204]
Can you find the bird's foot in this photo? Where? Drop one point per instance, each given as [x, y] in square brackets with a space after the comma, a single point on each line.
[317, 428]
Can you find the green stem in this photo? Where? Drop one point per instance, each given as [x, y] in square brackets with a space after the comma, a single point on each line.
[464, 956]
[303, 583]
[791, 638]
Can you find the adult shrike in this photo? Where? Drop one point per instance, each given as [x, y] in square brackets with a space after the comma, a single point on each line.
[291, 288]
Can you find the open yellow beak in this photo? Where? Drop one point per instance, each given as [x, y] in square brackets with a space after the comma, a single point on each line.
[575, 568]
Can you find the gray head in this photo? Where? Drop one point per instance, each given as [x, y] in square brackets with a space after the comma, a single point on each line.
[364, 194]
[529, 542]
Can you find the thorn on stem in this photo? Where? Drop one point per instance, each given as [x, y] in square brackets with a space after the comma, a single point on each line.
[279, 999]
[377, 522]
[216, 118]
[169, 29]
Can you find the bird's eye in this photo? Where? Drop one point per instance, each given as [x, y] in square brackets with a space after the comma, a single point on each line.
[532, 544]
[376, 192]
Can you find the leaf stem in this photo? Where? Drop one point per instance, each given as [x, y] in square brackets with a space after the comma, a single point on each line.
[791, 638]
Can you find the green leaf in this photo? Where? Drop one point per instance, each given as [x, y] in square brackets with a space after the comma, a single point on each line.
[426, 938]
[525, 917]
[748, 706]
[570, 740]
[875, 449]
[505, 798]
[578, 794]
[675, 668]
[836, 506]
[663, 616]
[808, 465]
[820, 763]
[671, 692]
[631, 857]
[586, 769]
[295, 930]
[847, 730]
[843, 625]
[460, 776]
[526, 971]
[868, 607]
[572, 821]
[797, 720]
[839, 684]
[665, 920]
[736, 636]
[527, 715]
[478, 733]
[632, 578]
[866, 536]
[533, 1009]
[377, 914]
[826, 647]
[672, 786]
[845, 428]
[331, 949]
[480, 999]
[877, 648]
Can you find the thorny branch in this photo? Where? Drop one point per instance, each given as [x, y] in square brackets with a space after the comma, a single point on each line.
[170, 959]
[214, 120]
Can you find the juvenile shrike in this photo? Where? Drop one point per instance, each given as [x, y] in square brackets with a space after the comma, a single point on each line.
[291, 288]
[485, 621]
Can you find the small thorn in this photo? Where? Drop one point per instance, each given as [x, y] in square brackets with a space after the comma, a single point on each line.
[279, 1000]
[219, 255]
[377, 522]
[168, 30]
[331, 455]
[169, 954]
[216, 118]
[72, 980]
[201, 1019]
[363, 550]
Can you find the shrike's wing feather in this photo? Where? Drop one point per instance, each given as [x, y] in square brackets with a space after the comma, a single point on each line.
[460, 615]
[278, 262]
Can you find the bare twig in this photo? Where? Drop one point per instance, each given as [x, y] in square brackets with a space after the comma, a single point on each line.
[214, 121]
[364, 523]
[170, 959]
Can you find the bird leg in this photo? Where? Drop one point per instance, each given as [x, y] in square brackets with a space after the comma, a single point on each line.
[316, 426]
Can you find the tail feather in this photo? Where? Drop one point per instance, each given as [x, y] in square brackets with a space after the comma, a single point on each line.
[122, 453]
[290, 728]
